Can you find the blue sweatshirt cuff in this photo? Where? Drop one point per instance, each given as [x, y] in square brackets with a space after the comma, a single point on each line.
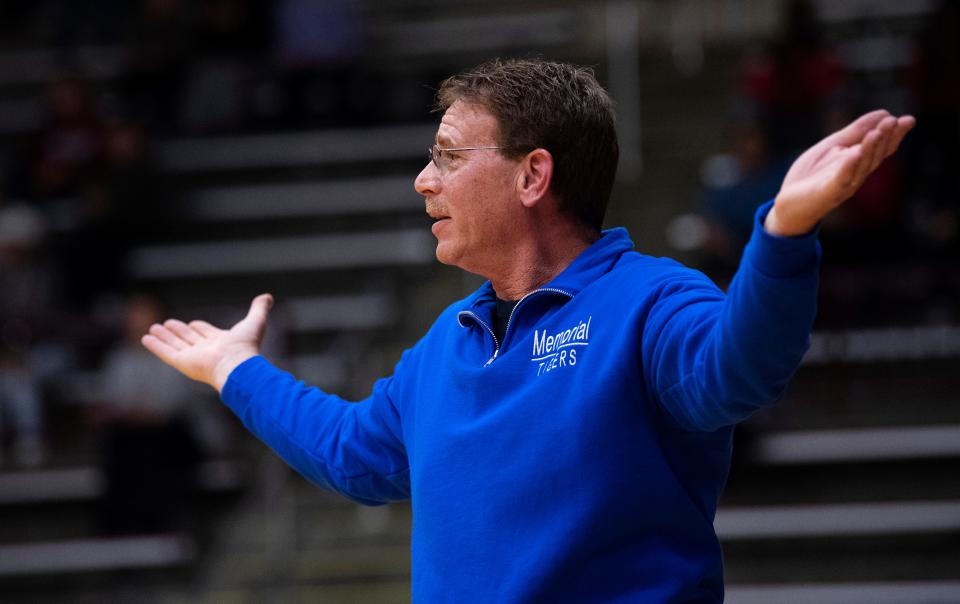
[243, 381]
[781, 257]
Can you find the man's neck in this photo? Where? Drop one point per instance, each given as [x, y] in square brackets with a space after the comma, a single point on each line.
[536, 262]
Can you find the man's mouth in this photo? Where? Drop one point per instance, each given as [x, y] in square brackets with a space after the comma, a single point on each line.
[437, 215]
[438, 221]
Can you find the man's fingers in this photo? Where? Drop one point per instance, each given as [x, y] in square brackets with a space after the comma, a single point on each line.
[886, 129]
[158, 347]
[855, 132]
[848, 166]
[204, 328]
[904, 124]
[867, 150]
[167, 337]
[878, 143]
[183, 331]
[870, 154]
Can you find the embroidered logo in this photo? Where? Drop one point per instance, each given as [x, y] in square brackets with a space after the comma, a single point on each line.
[559, 349]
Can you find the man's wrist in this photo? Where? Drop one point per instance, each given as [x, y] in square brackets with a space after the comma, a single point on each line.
[780, 256]
[786, 226]
[227, 364]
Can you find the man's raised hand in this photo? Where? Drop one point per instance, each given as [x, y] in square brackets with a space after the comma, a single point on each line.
[205, 353]
[831, 171]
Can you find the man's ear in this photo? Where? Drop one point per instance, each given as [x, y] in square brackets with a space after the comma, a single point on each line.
[533, 180]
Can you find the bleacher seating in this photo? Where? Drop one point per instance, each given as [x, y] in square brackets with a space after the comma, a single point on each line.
[845, 493]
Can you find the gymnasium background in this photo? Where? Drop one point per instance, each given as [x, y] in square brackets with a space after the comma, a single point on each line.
[171, 158]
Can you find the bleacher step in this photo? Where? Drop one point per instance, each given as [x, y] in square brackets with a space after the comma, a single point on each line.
[927, 592]
[235, 153]
[870, 518]
[240, 257]
[305, 199]
[98, 554]
[793, 447]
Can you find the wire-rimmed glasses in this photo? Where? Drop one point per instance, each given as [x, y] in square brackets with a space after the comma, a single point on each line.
[436, 154]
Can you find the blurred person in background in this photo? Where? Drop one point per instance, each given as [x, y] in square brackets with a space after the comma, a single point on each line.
[122, 205]
[794, 85]
[59, 157]
[230, 39]
[54, 166]
[736, 183]
[27, 293]
[788, 96]
[564, 432]
[932, 185]
[149, 451]
[320, 46]
[158, 47]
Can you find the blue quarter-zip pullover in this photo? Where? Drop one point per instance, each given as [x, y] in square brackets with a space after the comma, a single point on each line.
[581, 458]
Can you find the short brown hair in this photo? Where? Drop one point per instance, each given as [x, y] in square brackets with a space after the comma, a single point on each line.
[555, 106]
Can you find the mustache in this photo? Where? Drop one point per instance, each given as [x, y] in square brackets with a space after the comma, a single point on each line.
[434, 208]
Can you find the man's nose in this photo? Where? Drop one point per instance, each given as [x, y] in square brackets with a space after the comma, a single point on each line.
[428, 181]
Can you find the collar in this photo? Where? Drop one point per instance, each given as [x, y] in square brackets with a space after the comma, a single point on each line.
[594, 262]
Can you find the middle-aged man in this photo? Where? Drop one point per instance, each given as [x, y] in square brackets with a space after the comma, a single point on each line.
[564, 432]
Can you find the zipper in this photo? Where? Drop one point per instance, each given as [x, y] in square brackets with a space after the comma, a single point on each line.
[496, 343]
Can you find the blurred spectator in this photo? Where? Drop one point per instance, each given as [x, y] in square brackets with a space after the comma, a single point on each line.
[132, 193]
[735, 185]
[94, 22]
[149, 450]
[67, 149]
[932, 182]
[27, 286]
[159, 45]
[232, 36]
[795, 83]
[320, 46]
[121, 207]
[16, 21]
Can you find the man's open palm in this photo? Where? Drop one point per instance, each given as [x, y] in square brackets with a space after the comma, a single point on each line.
[831, 171]
[205, 353]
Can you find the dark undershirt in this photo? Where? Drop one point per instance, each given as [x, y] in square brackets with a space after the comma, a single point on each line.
[501, 316]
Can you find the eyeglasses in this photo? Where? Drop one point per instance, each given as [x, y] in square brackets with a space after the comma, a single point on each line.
[436, 154]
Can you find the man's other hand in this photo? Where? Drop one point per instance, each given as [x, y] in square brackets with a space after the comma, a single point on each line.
[831, 171]
[205, 353]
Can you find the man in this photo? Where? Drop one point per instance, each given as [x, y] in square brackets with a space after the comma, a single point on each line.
[564, 432]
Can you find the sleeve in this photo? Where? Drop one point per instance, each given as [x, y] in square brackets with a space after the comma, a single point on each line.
[712, 359]
[355, 449]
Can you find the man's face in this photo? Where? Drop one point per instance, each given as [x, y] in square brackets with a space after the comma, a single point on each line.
[472, 194]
